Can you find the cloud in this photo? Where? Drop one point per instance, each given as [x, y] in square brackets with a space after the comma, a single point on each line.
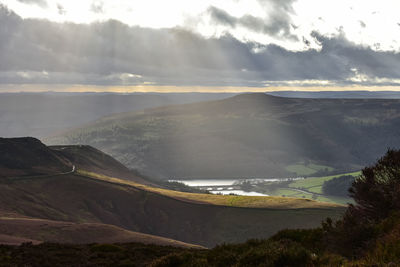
[222, 17]
[279, 12]
[41, 3]
[112, 53]
[277, 24]
[61, 9]
[44, 77]
[97, 7]
[280, 5]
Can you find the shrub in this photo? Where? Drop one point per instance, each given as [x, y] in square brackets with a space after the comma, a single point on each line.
[309, 238]
[338, 186]
[377, 195]
[377, 190]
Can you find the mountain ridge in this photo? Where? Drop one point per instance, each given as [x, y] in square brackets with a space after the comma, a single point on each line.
[248, 135]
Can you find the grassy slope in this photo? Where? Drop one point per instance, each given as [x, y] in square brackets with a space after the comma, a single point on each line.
[18, 230]
[87, 200]
[192, 218]
[222, 200]
[94, 160]
[304, 170]
[313, 188]
[314, 184]
[91, 162]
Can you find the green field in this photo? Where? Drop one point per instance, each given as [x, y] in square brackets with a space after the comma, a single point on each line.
[302, 169]
[311, 188]
[314, 184]
[296, 194]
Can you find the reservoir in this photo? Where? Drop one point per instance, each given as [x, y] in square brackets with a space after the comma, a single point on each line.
[230, 186]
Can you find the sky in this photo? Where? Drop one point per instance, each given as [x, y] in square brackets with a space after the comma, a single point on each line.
[208, 45]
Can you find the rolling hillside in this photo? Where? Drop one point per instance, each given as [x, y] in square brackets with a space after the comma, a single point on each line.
[249, 135]
[42, 114]
[15, 231]
[82, 198]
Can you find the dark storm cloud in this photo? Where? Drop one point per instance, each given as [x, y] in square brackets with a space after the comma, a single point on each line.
[277, 24]
[41, 3]
[112, 53]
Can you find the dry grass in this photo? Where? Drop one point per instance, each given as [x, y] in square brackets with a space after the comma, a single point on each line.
[221, 200]
[15, 231]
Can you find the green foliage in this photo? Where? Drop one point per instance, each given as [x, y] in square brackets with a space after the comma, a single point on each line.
[314, 184]
[310, 238]
[50, 254]
[310, 188]
[252, 253]
[377, 190]
[377, 196]
[338, 186]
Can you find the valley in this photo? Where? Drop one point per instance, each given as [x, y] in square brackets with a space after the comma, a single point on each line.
[248, 135]
[298, 187]
[87, 197]
[232, 133]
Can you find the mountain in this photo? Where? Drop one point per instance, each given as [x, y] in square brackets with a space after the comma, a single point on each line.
[43, 114]
[67, 206]
[248, 135]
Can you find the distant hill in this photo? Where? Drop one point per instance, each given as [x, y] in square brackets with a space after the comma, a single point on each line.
[44, 114]
[249, 135]
[339, 94]
[74, 201]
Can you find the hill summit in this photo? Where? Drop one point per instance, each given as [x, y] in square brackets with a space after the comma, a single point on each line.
[27, 156]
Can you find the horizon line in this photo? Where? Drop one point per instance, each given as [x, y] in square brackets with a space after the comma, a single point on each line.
[79, 88]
